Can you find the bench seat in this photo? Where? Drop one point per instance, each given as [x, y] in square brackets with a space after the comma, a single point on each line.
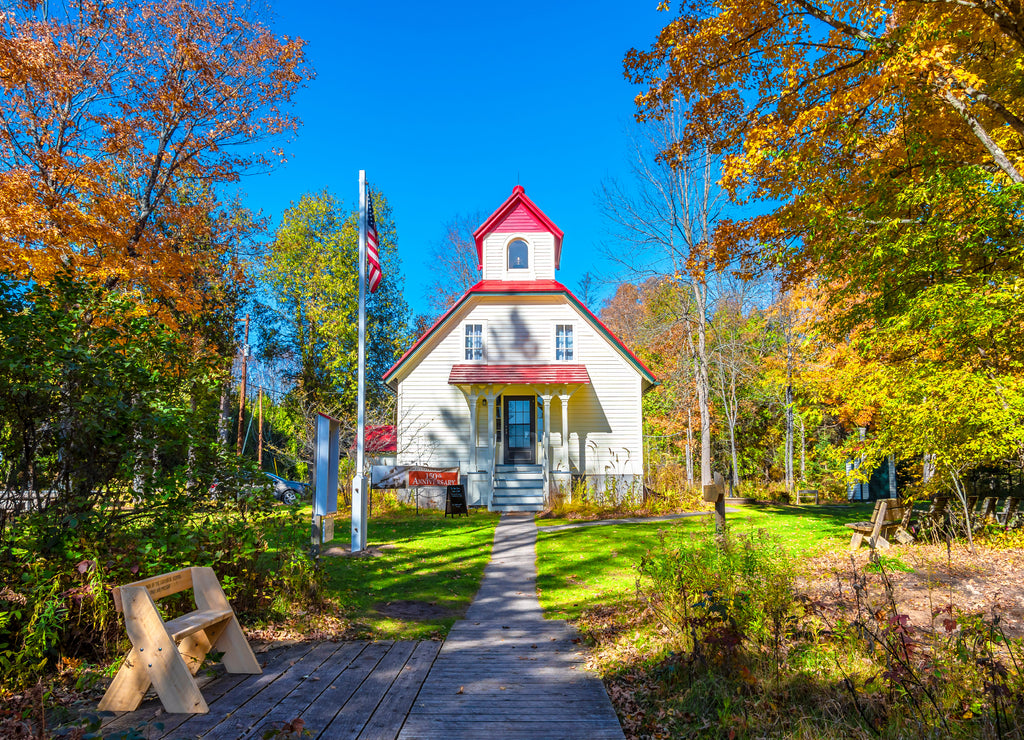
[189, 624]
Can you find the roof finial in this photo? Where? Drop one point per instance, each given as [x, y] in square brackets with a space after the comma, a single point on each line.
[518, 189]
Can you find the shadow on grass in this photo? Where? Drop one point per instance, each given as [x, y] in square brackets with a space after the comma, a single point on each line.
[427, 559]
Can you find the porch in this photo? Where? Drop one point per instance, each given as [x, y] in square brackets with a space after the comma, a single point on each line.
[513, 463]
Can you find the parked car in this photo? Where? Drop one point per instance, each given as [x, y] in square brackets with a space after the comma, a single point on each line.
[285, 491]
[288, 491]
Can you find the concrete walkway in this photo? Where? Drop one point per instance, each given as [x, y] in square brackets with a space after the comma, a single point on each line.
[631, 520]
[506, 671]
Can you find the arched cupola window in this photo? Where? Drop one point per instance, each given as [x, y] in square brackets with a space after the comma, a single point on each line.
[518, 255]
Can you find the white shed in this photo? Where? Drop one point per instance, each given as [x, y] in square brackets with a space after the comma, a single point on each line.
[519, 383]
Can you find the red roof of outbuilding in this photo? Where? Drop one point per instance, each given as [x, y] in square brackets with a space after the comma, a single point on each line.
[513, 287]
[381, 438]
[518, 374]
[528, 212]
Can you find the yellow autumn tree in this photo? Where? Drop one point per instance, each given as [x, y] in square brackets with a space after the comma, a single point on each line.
[887, 140]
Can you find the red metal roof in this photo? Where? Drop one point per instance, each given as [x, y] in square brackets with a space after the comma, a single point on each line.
[518, 374]
[381, 439]
[517, 202]
[521, 287]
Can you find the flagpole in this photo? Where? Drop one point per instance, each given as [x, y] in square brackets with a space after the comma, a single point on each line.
[359, 488]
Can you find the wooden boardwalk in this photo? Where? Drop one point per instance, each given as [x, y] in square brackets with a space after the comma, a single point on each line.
[503, 671]
[338, 689]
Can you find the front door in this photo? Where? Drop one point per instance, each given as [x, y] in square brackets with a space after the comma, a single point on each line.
[520, 429]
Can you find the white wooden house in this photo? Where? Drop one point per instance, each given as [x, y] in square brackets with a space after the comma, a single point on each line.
[519, 383]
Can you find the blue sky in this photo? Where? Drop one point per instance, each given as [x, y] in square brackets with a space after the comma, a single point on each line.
[448, 105]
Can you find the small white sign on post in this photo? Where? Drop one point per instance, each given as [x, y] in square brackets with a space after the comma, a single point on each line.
[325, 498]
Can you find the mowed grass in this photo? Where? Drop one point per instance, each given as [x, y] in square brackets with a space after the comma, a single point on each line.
[587, 567]
[426, 558]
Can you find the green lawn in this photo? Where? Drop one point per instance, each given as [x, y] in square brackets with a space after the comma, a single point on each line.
[579, 569]
[424, 558]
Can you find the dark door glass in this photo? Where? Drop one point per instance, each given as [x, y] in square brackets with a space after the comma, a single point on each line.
[519, 430]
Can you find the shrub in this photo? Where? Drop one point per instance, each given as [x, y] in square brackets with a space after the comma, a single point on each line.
[56, 603]
[725, 592]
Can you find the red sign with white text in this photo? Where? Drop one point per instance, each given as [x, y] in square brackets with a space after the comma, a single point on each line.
[433, 478]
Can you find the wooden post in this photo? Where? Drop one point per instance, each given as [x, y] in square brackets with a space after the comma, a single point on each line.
[715, 492]
[720, 503]
[241, 388]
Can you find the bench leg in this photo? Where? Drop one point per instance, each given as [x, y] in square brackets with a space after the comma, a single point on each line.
[156, 652]
[129, 686]
[855, 541]
[194, 648]
[238, 656]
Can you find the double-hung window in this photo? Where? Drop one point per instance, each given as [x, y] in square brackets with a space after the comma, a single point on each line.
[475, 342]
[563, 343]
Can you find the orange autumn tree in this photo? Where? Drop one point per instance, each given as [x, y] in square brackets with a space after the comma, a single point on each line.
[117, 123]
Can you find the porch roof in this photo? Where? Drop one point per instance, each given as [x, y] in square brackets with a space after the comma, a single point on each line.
[561, 373]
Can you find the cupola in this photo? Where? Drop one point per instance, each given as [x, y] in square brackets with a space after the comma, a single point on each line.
[518, 242]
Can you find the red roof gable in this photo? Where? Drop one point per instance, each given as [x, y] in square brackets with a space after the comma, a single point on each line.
[515, 374]
[512, 287]
[518, 213]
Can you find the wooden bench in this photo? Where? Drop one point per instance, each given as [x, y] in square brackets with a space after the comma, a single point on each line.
[889, 515]
[167, 655]
[803, 496]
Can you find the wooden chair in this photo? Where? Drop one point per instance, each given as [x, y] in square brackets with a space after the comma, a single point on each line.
[937, 510]
[888, 517]
[1010, 506]
[167, 655]
[987, 509]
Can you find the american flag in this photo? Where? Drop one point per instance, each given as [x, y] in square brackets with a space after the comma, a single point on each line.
[373, 271]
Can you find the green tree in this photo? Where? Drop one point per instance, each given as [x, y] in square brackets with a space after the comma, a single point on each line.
[90, 385]
[311, 329]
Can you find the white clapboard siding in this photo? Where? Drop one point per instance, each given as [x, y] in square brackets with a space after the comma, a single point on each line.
[605, 425]
[542, 256]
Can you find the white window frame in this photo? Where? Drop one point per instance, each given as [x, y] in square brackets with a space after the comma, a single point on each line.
[575, 341]
[483, 340]
[531, 255]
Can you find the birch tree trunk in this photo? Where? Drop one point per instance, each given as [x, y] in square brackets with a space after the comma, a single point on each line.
[700, 370]
[689, 447]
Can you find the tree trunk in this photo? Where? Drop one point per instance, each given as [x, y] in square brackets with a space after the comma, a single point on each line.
[803, 452]
[789, 399]
[700, 367]
[735, 460]
[225, 412]
[689, 447]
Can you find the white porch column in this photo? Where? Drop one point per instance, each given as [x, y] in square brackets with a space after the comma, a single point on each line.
[564, 398]
[546, 451]
[472, 398]
[491, 397]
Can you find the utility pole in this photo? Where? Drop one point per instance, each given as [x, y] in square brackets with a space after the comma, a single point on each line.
[241, 389]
